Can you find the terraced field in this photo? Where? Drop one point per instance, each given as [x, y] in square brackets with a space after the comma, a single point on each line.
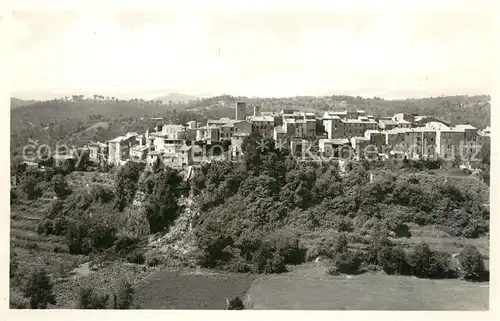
[24, 220]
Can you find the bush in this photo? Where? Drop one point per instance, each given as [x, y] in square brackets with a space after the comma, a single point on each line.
[471, 262]
[288, 246]
[268, 260]
[39, 290]
[60, 225]
[55, 208]
[428, 264]
[378, 241]
[124, 295]
[153, 261]
[87, 299]
[393, 260]
[60, 186]
[45, 227]
[332, 247]
[402, 230]
[136, 257]
[344, 224]
[124, 244]
[30, 188]
[348, 262]
[235, 304]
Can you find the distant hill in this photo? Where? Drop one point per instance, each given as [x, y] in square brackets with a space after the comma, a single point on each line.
[176, 98]
[16, 102]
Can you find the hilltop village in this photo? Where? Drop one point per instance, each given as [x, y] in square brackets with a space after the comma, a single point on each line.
[181, 146]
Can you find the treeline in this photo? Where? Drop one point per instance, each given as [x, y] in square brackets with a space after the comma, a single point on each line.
[254, 213]
[473, 110]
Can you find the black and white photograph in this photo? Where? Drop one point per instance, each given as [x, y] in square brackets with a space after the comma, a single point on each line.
[250, 159]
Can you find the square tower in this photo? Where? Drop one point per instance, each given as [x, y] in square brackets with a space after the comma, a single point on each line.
[241, 110]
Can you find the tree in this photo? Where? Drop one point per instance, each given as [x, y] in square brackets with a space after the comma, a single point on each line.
[126, 184]
[39, 290]
[428, 264]
[161, 207]
[471, 262]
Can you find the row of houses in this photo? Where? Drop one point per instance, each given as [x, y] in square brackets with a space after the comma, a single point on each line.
[178, 146]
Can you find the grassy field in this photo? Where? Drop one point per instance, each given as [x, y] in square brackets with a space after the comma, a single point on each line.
[188, 290]
[311, 289]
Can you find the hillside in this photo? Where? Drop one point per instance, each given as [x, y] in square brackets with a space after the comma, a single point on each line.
[176, 98]
[16, 102]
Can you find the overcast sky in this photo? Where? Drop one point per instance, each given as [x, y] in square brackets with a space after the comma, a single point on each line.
[145, 54]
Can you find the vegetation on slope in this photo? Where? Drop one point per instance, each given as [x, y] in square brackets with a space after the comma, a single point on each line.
[253, 214]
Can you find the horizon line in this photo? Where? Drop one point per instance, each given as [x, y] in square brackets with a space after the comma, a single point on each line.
[121, 97]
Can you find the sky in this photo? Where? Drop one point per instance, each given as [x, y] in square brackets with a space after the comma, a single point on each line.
[147, 54]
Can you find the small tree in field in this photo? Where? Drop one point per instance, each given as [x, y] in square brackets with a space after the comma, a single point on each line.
[39, 290]
[471, 262]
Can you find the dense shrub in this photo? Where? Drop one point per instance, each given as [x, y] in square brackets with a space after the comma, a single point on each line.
[136, 257]
[393, 260]
[234, 304]
[29, 186]
[123, 297]
[289, 247]
[39, 290]
[124, 244]
[428, 264]
[85, 237]
[161, 206]
[60, 225]
[60, 186]
[268, 260]
[55, 208]
[471, 262]
[331, 247]
[126, 184]
[88, 299]
[348, 262]
[153, 261]
[46, 227]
